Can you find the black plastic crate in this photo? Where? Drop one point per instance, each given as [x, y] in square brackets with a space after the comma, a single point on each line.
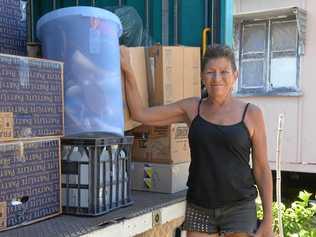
[96, 174]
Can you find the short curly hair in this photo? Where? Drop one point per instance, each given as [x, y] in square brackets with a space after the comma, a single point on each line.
[215, 51]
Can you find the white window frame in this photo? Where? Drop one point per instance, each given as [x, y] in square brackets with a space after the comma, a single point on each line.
[268, 18]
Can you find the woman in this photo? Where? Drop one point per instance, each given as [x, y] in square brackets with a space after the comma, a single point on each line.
[223, 131]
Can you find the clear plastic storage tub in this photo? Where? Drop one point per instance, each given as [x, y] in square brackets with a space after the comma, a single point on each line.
[86, 39]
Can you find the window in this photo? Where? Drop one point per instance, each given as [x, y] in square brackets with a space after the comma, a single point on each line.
[268, 54]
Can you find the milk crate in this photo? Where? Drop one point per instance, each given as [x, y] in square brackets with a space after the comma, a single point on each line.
[96, 174]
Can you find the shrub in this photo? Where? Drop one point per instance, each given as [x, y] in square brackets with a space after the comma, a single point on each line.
[298, 219]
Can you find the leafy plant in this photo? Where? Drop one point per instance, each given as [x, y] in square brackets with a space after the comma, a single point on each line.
[298, 219]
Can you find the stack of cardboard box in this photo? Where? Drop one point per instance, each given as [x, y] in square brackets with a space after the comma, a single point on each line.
[161, 154]
[31, 124]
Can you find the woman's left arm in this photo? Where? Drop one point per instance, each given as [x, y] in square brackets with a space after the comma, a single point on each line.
[262, 170]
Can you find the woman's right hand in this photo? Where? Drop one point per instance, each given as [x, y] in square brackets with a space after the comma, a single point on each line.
[125, 59]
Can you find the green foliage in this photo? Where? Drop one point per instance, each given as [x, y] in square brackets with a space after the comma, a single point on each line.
[298, 219]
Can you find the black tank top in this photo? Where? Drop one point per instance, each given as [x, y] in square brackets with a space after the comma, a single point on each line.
[219, 173]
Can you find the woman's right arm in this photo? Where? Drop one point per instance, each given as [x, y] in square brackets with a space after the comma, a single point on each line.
[157, 115]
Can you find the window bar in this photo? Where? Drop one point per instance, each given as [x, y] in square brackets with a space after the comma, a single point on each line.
[268, 58]
[298, 60]
[241, 35]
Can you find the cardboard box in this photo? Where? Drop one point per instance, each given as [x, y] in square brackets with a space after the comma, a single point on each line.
[29, 182]
[138, 61]
[191, 72]
[164, 74]
[174, 73]
[31, 98]
[167, 144]
[159, 177]
[13, 27]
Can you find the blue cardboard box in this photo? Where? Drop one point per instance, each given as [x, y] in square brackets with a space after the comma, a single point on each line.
[13, 27]
[31, 98]
[29, 181]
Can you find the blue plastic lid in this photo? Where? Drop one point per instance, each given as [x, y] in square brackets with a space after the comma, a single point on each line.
[80, 11]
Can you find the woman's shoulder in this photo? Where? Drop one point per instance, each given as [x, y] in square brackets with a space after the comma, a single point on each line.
[252, 116]
[190, 101]
[252, 111]
[251, 107]
[190, 105]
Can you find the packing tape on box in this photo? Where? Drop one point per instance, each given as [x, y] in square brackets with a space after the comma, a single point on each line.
[24, 72]
[3, 215]
[6, 125]
[17, 146]
[20, 151]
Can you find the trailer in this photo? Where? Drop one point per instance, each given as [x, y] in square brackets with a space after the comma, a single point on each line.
[151, 211]
[284, 80]
[284, 36]
[167, 22]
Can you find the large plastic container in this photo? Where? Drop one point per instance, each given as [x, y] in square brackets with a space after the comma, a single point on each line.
[86, 39]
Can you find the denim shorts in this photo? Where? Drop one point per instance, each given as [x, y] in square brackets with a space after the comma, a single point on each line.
[237, 218]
